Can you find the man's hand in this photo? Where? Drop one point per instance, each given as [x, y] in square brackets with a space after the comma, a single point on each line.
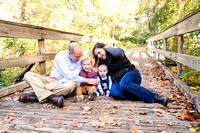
[51, 86]
[91, 81]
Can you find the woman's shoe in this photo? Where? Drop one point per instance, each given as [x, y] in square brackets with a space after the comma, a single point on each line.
[161, 99]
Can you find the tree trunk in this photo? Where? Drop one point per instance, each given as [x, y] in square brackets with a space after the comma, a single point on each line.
[23, 7]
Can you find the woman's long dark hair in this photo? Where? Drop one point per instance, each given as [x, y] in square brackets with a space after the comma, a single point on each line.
[98, 45]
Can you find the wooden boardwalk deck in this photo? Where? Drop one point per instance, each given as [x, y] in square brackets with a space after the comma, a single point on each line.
[104, 114]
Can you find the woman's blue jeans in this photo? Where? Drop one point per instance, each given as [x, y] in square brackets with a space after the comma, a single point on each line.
[129, 88]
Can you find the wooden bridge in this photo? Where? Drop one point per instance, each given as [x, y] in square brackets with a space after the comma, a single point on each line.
[105, 114]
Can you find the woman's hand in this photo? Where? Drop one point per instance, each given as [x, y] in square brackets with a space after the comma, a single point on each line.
[51, 86]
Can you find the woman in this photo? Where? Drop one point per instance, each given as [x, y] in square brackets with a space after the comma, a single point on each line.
[126, 78]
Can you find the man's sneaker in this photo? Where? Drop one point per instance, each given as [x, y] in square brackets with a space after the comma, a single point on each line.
[78, 98]
[92, 96]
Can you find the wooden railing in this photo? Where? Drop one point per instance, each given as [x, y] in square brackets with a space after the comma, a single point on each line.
[188, 24]
[18, 30]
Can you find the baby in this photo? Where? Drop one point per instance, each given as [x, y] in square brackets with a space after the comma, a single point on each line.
[105, 81]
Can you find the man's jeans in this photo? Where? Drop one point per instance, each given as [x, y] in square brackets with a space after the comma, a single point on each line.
[129, 88]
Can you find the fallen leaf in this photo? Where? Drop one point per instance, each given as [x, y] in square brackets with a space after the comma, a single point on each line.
[130, 116]
[108, 106]
[172, 110]
[187, 125]
[188, 117]
[3, 130]
[82, 121]
[58, 123]
[137, 121]
[84, 113]
[38, 124]
[135, 130]
[192, 130]
[171, 124]
[114, 111]
[168, 131]
[160, 115]
[100, 124]
[167, 83]
[179, 116]
[195, 124]
[35, 113]
[16, 99]
[158, 81]
[94, 123]
[122, 123]
[65, 108]
[116, 107]
[75, 124]
[106, 119]
[46, 105]
[159, 111]
[87, 108]
[8, 118]
[102, 109]
[143, 113]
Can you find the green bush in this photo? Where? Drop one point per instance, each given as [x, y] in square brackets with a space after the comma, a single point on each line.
[190, 76]
[8, 76]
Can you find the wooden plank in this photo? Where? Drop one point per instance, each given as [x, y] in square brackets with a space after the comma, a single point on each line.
[25, 116]
[188, 24]
[18, 30]
[13, 88]
[14, 62]
[188, 60]
[41, 50]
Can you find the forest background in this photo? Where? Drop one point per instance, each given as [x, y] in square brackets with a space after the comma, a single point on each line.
[129, 21]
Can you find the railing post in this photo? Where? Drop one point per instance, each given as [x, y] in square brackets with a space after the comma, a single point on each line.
[151, 51]
[41, 50]
[165, 48]
[154, 45]
[180, 46]
[156, 54]
[88, 49]
[158, 47]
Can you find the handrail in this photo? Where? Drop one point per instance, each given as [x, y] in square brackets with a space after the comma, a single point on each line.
[187, 24]
[188, 60]
[19, 30]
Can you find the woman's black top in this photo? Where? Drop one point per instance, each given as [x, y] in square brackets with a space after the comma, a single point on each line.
[117, 62]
